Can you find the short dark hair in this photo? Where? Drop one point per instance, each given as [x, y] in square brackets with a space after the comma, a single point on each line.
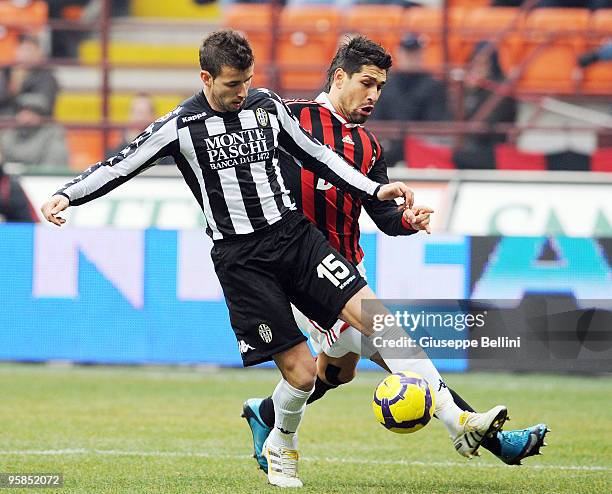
[354, 54]
[225, 47]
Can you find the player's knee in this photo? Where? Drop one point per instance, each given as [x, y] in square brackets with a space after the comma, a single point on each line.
[301, 374]
[305, 378]
[297, 366]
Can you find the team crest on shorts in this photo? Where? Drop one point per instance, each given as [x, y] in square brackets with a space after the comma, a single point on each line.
[265, 333]
[262, 116]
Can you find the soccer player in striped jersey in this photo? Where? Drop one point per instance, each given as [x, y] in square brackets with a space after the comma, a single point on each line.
[225, 140]
[336, 117]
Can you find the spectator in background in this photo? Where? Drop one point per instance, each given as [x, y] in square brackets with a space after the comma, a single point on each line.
[602, 54]
[478, 150]
[141, 114]
[27, 76]
[64, 43]
[33, 141]
[600, 4]
[14, 203]
[411, 94]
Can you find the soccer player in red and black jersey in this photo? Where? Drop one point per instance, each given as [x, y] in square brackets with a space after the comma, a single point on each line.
[356, 77]
[338, 123]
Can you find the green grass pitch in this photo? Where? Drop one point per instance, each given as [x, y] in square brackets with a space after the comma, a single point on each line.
[169, 430]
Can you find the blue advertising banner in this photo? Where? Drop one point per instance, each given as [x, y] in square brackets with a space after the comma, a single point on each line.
[151, 296]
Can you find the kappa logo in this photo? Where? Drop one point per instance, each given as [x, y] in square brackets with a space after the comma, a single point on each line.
[244, 347]
[194, 117]
[265, 333]
[262, 116]
[347, 140]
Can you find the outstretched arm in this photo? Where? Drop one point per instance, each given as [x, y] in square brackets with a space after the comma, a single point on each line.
[391, 219]
[157, 141]
[324, 162]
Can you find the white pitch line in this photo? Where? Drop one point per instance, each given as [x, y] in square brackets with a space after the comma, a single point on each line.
[187, 454]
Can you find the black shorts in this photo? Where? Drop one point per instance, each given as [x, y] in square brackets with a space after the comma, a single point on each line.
[263, 274]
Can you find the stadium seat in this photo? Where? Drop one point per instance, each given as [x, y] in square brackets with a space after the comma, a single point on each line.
[86, 107]
[254, 21]
[132, 53]
[601, 161]
[487, 24]
[509, 157]
[9, 40]
[598, 77]
[73, 12]
[85, 147]
[418, 153]
[428, 23]
[553, 38]
[380, 23]
[176, 9]
[307, 43]
[469, 3]
[30, 15]
[601, 24]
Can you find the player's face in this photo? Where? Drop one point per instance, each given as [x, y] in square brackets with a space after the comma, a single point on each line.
[227, 91]
[359, 93]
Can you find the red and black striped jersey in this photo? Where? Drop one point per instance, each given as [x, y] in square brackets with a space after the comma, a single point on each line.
[335, 212]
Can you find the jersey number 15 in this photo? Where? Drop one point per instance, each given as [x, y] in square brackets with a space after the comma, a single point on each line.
[333, 269]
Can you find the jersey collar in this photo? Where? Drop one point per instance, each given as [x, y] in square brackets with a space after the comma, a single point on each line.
[323, 100]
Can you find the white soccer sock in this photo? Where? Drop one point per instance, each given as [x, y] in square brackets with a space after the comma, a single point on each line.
[446, 409]
[289, 406]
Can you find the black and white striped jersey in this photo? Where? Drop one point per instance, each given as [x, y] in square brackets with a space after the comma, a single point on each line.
[230, 162]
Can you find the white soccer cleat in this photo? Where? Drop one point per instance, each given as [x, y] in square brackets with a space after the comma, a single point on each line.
[282, 465]
[477, 426]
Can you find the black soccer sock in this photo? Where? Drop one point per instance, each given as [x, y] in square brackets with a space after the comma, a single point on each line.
[460, 402]
[320, 389]
[266, 411]
[490, 443]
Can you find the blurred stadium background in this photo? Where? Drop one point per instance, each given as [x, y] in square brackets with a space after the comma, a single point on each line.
[130, 281]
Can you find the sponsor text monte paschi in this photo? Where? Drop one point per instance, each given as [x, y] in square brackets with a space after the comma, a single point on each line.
[235, 148]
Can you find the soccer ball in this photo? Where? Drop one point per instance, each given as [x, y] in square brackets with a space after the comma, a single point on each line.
[404, 402]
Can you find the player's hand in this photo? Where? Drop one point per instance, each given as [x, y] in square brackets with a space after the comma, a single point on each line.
[52, 207]
[396, 189]
[422, 216]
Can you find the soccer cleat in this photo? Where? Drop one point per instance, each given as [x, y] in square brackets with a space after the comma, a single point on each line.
[260, 431]
[282, 465]
[477, 426]
[519, 444]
